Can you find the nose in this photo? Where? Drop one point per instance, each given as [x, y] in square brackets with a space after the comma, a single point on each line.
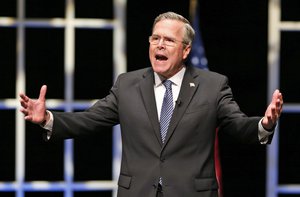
[161, 43]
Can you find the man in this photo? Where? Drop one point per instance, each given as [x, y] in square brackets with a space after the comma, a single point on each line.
[168, 116]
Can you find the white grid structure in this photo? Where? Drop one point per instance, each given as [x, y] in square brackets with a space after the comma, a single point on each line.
[69, 23]
[276, 26]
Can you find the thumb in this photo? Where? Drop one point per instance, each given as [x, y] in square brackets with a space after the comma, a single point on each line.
[43, 92]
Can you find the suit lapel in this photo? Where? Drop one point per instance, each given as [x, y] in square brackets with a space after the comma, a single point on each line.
[147, 92]
[188, 89]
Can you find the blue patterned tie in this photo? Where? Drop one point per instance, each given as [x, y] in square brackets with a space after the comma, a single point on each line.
[166, 113]
[166, 110]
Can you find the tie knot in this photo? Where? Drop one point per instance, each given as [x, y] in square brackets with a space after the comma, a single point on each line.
[167, 84]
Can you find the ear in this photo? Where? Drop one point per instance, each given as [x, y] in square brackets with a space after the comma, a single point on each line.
[186, 51]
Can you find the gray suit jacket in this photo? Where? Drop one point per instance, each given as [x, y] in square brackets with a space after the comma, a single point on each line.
[186, 160]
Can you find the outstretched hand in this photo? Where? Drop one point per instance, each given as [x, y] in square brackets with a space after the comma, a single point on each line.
[34, 110]
[273, 111]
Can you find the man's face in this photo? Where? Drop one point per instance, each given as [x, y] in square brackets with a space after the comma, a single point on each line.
[168, 53]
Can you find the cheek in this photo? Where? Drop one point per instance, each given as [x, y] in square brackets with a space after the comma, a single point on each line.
[151, 52]
[176, 55]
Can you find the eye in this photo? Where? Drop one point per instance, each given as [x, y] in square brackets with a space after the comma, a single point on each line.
[155, 38]
[170, 40]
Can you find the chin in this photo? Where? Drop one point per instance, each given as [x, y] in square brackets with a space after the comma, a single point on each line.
[159, 70]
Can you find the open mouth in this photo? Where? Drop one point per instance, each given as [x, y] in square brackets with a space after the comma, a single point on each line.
[159, 57]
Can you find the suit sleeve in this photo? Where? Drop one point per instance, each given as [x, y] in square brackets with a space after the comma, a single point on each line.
[232, 120]
[104, 113]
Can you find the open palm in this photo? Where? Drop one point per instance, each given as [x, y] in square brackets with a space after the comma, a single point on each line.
[34, 110]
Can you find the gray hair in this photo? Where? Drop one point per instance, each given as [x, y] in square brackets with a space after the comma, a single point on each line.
[189, 33]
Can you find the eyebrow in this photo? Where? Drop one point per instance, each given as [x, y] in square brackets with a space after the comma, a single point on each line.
[169, 37]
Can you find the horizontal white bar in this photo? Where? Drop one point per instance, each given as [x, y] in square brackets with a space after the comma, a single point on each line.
[58, 104]
[291, 108]
[289, 189]
[59, 23]
[59, 186]
[289, 26]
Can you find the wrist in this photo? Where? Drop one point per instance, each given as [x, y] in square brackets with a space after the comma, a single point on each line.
[268, 125]
[46, 118]
[269, 129]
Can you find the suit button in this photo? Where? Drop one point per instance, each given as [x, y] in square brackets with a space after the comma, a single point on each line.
[162, 159]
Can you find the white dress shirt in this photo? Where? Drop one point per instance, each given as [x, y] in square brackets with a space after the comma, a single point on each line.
[160, 89]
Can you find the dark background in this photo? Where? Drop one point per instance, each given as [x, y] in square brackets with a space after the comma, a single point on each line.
[235, 36]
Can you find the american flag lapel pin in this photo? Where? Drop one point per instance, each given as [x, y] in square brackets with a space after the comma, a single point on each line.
[192, 85]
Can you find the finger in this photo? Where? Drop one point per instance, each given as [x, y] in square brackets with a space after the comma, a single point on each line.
[24, 97]
[280, 96]
[275, 96]
[24, 111]
[273, 112]
[28, 118]
[23, 104]
[279, 104]
[271, 119]
[43, 92]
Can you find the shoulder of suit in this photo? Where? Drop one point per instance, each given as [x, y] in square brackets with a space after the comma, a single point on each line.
[195, 72]
[137, 74]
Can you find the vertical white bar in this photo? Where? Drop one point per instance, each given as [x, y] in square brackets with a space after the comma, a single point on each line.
[119, 38]
[20, 87]
[273, 46]
[273, 83]
[119, 66]
[69, 94]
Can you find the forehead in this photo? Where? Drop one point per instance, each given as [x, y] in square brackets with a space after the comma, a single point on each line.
[168, 27]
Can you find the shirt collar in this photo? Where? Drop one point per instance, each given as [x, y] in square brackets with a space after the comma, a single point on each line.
[176, 79]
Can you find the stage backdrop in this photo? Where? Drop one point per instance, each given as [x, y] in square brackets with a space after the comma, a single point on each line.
[235, 38]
